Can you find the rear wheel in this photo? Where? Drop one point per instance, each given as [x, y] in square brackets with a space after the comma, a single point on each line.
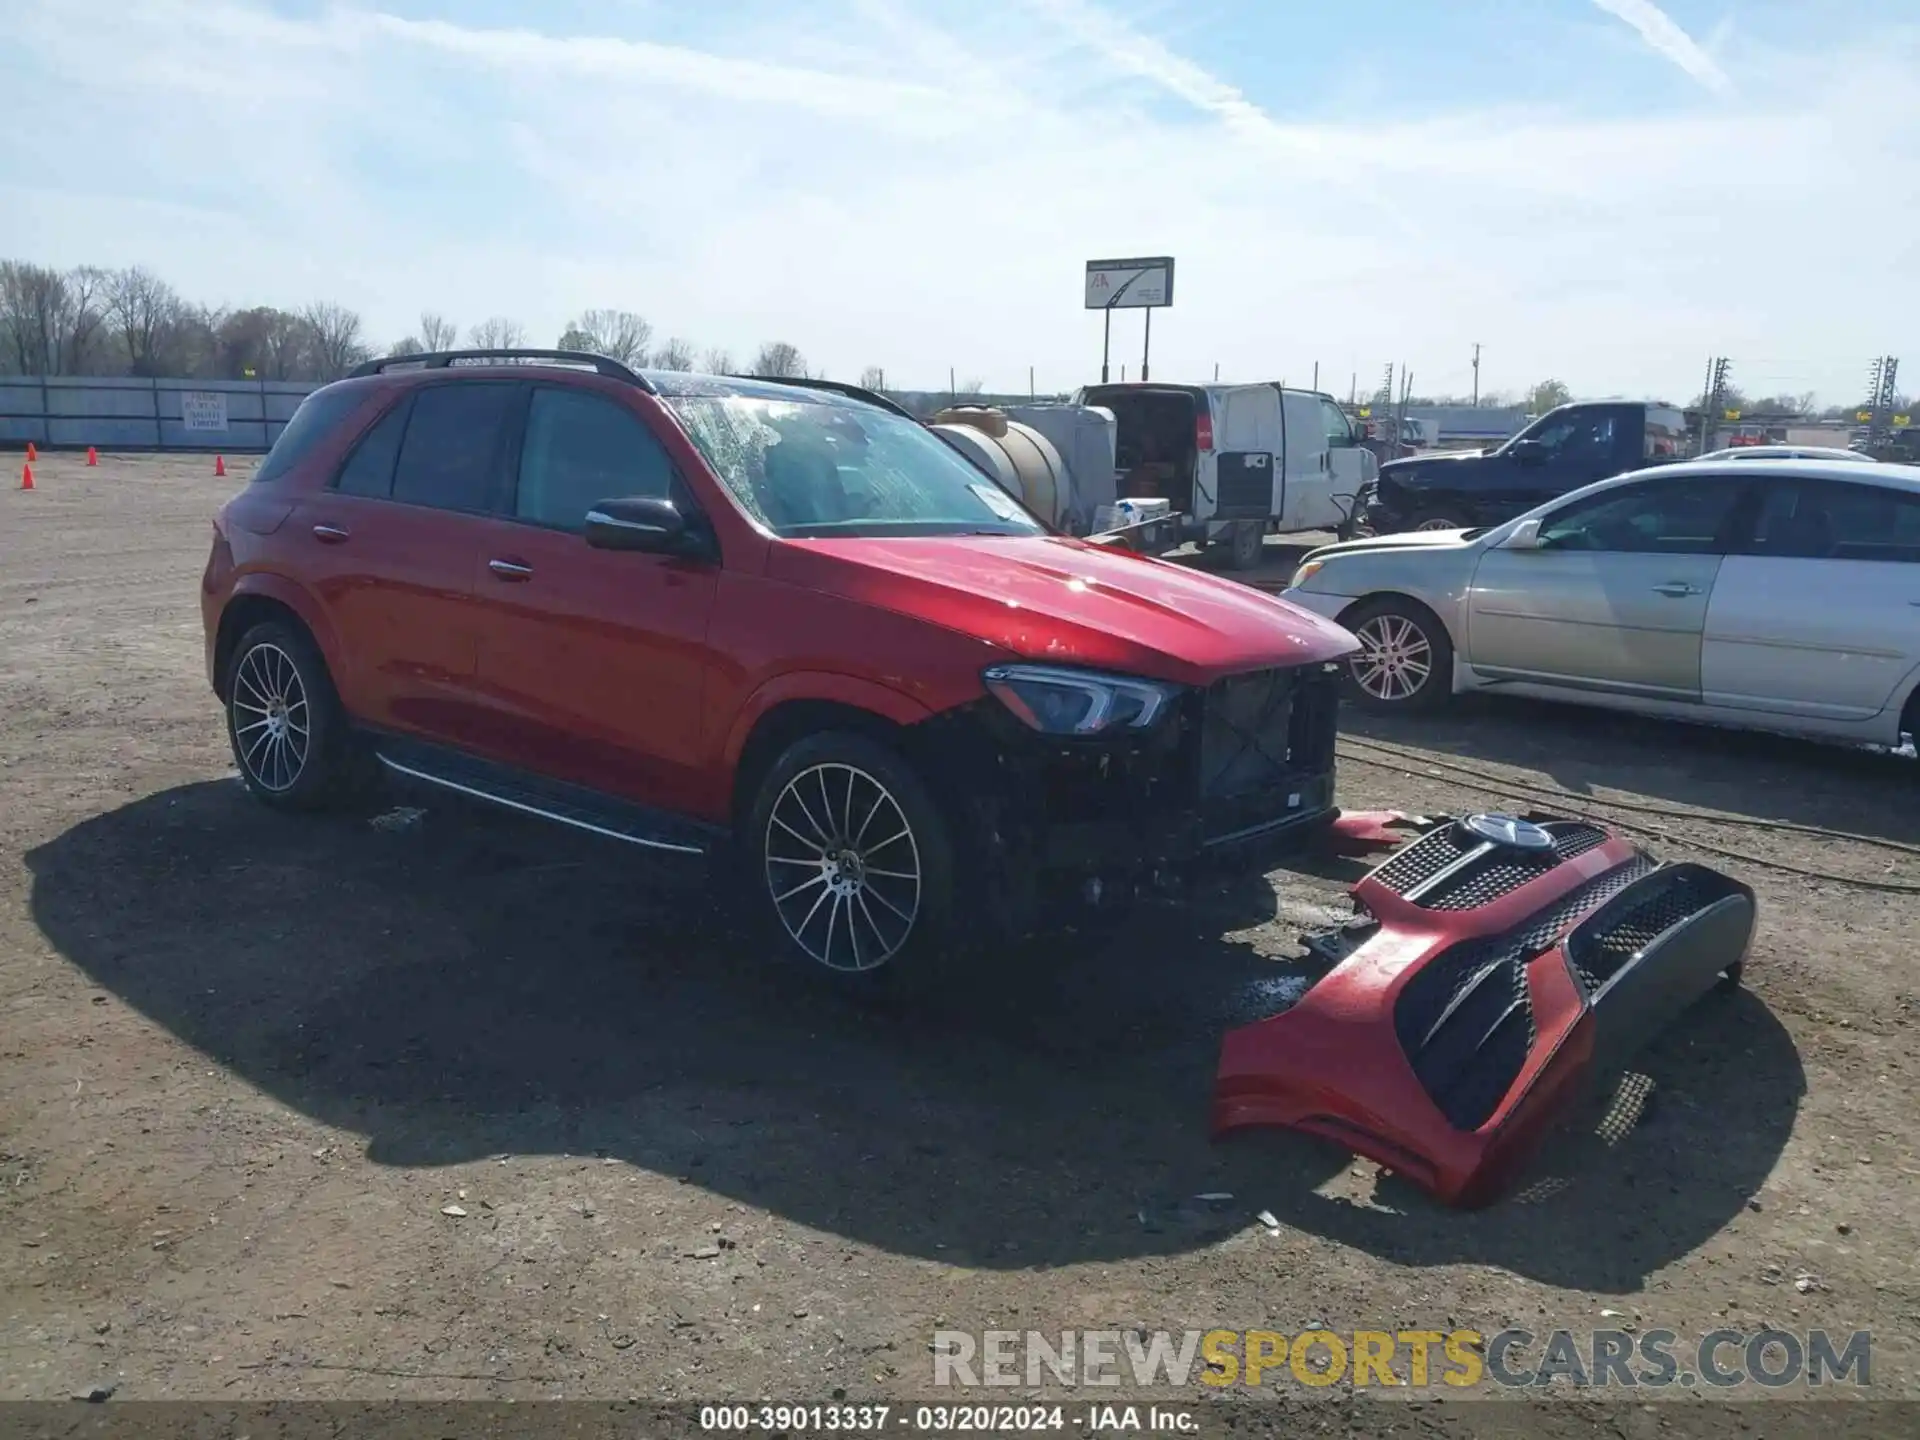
[1246, 543]
[1440, 520]
[853, 863]
[284, 720]
[1405, 660]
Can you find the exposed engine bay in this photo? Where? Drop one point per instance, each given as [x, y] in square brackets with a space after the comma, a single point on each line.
[1492, 972]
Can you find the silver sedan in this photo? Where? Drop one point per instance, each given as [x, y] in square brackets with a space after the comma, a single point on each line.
[1783, 596]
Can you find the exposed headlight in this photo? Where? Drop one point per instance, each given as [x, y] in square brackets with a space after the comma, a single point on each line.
[1305, 573]
[1077, 702]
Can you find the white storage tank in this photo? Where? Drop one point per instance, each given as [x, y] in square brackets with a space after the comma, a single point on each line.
[1018, 457]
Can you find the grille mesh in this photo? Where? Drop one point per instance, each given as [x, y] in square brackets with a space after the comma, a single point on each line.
[1421, 861]
[1604, 952]
[1503, 873]
[1467, 1059]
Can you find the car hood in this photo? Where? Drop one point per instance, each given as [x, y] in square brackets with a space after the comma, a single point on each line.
[1411, 540]
[1070, 603]
[1433, 467]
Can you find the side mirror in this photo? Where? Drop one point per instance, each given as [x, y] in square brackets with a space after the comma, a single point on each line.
[1525, 536]
[649, 524]
[1529, 452]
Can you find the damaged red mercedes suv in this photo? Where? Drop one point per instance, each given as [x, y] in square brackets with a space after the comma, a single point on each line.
[704, 615]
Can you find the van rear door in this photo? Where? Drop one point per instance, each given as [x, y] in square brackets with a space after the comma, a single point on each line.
[1250, 448]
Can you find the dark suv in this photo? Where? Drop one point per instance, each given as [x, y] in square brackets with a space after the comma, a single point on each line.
[682, 611]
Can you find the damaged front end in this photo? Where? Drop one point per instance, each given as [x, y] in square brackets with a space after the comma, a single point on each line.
[1493, 969]
[1235, 772]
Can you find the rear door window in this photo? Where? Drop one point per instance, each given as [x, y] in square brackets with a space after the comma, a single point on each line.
[1831, 520]
[369, 468]
[450, 459]
[315, 419]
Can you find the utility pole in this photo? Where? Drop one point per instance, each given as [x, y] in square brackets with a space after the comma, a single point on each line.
[1476, 372]
[1880, 401]
[1713, 399]
[1316, 382]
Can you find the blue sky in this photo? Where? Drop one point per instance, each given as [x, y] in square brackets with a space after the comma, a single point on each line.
[1604, 191]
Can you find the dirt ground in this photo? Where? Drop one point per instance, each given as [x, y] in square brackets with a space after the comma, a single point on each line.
[247, 1063]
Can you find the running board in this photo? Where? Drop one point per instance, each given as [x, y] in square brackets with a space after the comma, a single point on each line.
[574, 806]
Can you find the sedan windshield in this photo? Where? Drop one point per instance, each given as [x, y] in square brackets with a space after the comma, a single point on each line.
[808, 468]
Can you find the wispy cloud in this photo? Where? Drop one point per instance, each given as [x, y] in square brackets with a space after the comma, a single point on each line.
[1664, 35]
[880, 186]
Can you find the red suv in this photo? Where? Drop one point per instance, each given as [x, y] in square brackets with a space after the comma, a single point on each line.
[697, 613]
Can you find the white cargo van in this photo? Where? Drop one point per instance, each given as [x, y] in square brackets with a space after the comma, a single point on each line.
[1237, 460]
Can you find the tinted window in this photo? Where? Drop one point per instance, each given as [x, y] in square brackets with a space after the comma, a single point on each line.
[582, 448]
[369, 468]
[1832, 520]
[1690, 517]
[808, 468]
[447, 460]
[312, 422]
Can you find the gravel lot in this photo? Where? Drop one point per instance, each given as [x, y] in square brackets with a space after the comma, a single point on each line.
[247, 1063]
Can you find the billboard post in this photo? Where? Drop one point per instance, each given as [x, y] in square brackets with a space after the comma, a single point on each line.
[1138, 284]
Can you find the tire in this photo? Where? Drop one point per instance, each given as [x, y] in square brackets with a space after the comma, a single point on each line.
[1420, 680]
[863, 917]
[1245, 545]
[1438, 520]
[276, 680]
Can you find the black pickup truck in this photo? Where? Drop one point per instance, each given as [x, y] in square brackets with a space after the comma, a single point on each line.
[1562, 450]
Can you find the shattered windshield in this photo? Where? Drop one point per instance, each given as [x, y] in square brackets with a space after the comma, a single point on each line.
[808, 469]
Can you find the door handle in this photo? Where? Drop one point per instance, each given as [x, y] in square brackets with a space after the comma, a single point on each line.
[510, 569]
[1677, 589]
[329, 534]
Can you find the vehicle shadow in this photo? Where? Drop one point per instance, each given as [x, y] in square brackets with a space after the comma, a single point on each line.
[473, 984]
[1589, 752]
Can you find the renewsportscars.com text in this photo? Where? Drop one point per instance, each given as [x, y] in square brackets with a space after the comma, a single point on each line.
[1458, 1359]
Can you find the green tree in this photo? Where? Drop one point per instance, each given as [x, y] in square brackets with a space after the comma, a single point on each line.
[1546, 395]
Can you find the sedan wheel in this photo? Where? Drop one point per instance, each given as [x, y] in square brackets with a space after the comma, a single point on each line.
[1405, 661]
[1442, 522]
[843, 867]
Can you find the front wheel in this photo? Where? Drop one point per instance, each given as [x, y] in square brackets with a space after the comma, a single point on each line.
[854, 863]
[1405, 660]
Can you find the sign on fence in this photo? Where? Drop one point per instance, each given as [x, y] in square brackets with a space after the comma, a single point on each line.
[203, 410]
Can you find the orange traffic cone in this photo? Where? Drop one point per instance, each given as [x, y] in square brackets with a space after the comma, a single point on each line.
[32, 454]
[26, 476]
[219, 464]
[93, 456]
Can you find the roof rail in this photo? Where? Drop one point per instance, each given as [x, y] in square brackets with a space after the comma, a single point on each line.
[837, 387]
[443, 359]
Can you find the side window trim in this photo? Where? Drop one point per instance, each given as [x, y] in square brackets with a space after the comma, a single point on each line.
[404, 404]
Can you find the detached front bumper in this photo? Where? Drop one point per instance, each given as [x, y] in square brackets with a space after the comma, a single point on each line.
[1480, 989]
[1239, 774]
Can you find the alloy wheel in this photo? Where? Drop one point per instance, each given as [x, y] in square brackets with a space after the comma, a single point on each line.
[843, 867]
[1395, 658]
[1440, 524]
[272, 724]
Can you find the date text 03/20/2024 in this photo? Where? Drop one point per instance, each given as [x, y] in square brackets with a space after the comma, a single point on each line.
[944, 1419]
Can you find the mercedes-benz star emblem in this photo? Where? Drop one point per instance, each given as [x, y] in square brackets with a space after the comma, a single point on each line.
[1508, 831]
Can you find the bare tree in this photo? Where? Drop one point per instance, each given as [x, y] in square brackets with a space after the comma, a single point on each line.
[333, 335]
[676, 354]
[85, 317]
[33, 307]
[497, 333]
[717, 361]
[408, 346]
[873, 378]
[972, 387]
[437, 332]
[618, 334]
[144, 309]
[780, 360]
